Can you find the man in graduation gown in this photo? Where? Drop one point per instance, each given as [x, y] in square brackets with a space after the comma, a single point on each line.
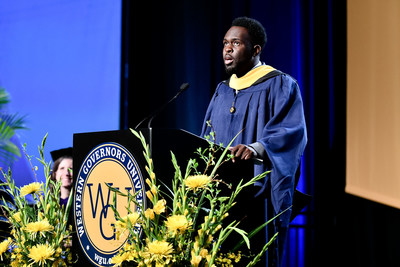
[265, 106]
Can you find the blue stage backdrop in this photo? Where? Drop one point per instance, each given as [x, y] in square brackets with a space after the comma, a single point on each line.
[60, 61]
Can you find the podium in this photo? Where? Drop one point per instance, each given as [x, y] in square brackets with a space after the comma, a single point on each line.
[116, 158]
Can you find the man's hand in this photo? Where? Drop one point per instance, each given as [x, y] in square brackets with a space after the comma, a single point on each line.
[241, 151]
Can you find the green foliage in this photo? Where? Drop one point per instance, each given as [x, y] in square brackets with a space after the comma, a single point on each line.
[9, 123]
[191, 230]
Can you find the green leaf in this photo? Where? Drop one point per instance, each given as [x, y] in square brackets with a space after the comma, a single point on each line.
[10, 147]
[243, 234]
[8, 124]
[222, 156]
[265, 248]
[259, 228]
[4, 97]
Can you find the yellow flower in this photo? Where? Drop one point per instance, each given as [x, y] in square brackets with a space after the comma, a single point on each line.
[217, 228]
[158, 252]
[196, 259]
[177, 223]
[149, 213]
[3, 247]
[123, 222]
[148, 182]
[60, 239]
[238, 257]
[118, 259]
[69, 257]
[17, 216]
[200, 231]
[15, 263]
[58, 252]
[131, 217]
[195, 182]
[149, 195]
[31, 188]
[40, 253]
[132, 255]
[154, 190]
[39, 226]
[159, 207]
[152, 176]
[41, 215]
[123, 225]
[203, 253]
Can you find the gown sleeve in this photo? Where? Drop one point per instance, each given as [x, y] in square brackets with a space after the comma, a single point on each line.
[284, 139]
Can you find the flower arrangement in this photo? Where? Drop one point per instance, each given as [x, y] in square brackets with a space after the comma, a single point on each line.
[185, 227]
[40, 234]
[192, 228]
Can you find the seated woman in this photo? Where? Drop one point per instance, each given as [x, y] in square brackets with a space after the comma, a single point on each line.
[62, 171]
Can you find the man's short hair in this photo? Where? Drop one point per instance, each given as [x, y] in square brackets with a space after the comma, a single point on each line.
[255, 29]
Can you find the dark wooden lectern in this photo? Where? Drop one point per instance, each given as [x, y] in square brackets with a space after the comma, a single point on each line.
[161, 141]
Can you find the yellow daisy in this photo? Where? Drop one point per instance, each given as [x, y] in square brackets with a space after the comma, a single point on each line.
[195, 182]
[158, 252]
[3, 247]
[32, 188]
[177, 223]
[40, 253]
[159, 207]
[38, 227]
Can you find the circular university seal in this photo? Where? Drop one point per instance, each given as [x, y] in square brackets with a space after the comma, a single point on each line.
[107, 164]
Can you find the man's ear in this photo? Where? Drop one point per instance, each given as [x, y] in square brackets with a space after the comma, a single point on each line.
[256, 50]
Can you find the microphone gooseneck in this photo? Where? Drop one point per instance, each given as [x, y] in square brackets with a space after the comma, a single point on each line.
[182, 88]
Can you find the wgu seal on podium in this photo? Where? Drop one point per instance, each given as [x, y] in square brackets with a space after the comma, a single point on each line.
[107, 164]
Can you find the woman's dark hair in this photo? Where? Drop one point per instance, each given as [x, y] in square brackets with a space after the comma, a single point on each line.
[56, 164]
[255, 29]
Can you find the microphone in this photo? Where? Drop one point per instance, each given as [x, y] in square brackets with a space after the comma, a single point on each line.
[183, 87]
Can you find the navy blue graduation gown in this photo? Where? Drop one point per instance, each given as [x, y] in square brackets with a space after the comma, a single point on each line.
[270, 112]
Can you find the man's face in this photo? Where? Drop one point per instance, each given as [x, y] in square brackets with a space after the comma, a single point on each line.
[237, 51]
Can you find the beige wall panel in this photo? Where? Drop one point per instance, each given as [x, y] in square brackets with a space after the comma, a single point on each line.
[373, 100]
